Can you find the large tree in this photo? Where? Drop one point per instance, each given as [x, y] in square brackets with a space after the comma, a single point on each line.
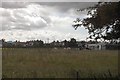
[104, 21]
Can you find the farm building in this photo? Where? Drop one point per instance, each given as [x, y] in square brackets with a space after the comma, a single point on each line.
[29, 43]
[97, 46]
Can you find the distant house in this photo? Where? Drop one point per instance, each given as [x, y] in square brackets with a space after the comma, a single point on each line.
[29, 43]
[20, 44]
[96, 46]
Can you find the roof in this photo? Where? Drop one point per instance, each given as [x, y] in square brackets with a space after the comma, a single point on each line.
[102, 43]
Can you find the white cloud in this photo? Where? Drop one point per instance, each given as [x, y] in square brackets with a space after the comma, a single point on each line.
[32, 17]
[39, 34]
[36, 21]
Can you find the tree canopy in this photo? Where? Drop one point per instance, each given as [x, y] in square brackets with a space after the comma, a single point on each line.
[104, 21]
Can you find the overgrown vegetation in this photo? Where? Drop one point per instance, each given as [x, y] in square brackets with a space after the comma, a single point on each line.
[58, 63]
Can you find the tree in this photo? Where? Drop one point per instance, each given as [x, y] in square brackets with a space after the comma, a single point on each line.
[104, 22]
[38, 43]
[73, 43]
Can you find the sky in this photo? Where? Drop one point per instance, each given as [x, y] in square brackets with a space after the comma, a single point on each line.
[42, 20]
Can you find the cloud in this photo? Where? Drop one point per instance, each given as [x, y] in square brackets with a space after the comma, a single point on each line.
[14, 4]
[40, 34]
[60, 0]
[41, 21]
[32, 17]
[64, 6]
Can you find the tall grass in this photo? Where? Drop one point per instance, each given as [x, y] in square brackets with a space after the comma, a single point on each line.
[60, 63]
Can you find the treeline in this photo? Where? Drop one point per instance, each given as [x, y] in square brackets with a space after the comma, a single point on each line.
[40, 44]
[72, 43]
[18, 44]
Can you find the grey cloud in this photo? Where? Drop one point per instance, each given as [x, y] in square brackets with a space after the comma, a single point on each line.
[64, 6]
[60, 0]
[47, 19]
[62, 3]
[14, 4]
[56, 0]
[17, 20]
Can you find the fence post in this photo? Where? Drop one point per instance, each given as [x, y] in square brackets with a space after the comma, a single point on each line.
[77, 75]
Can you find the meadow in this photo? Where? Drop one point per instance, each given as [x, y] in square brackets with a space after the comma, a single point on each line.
[58, 63]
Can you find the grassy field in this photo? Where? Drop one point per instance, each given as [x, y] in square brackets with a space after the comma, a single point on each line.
[59, 63]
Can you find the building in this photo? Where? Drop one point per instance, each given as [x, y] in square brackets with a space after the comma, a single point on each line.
[96, 46]
[20, 44]
[29, 43]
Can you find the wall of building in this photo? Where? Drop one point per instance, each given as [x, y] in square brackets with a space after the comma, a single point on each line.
[97, 46]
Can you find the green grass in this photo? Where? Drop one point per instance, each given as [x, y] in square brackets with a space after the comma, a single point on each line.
[60, 63]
